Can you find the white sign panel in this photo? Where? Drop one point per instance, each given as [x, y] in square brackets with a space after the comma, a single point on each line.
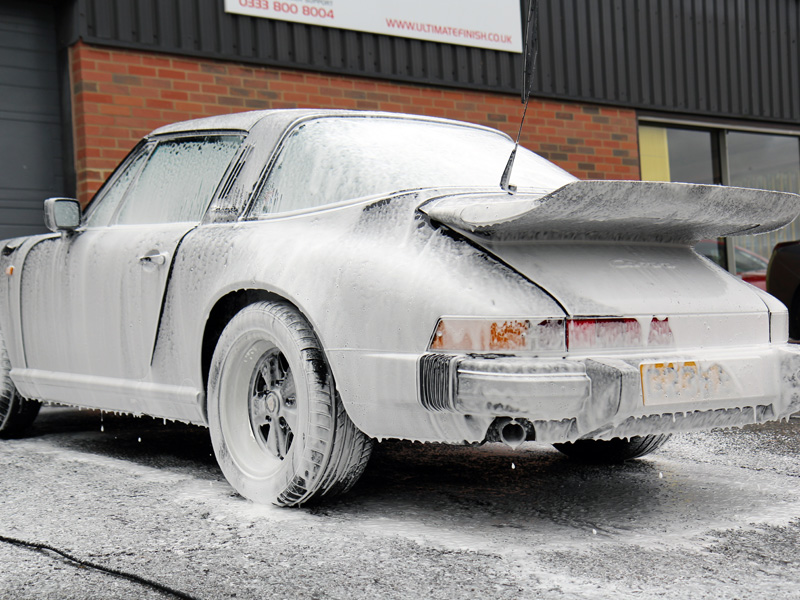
[494, 24]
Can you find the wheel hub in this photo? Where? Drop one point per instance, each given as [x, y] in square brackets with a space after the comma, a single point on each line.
[271, 404]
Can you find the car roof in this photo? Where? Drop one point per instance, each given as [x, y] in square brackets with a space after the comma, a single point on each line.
[246, 121]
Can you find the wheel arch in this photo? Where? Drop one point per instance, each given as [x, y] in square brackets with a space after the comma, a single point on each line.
[222, 312]
[325, 452]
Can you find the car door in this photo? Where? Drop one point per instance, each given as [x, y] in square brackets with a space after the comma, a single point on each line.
[99, 292]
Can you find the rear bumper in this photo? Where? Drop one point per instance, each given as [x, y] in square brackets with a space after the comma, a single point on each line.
[620, 396]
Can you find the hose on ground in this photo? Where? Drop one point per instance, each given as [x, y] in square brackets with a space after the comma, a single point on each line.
[44, 548]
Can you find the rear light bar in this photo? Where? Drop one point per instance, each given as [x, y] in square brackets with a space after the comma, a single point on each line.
[482, 335]
[609, 332]
[548, 335]
[660, 333]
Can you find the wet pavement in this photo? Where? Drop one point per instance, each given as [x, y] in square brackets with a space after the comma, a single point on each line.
[710, 515]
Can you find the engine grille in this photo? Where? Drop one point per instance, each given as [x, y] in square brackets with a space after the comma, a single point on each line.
[436, 382]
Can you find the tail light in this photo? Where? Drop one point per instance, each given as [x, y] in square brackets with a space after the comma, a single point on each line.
[551, 334]
[610, 332]
[503, 335]
[603, 333]
[660, 333]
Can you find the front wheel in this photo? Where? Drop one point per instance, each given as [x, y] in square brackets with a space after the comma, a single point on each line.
[16, 413]
[612, 451]
[279, 429]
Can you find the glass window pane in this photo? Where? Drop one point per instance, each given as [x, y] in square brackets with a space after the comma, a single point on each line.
[767, 162]
[674, 154]
[747, 261]
[335, 159]
[178, 180]
[712, 249]
[770, 162]
[103, 208]
[690, 159]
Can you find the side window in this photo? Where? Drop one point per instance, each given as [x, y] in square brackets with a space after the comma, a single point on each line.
[294, 181]
[103, 208]
[178, 180]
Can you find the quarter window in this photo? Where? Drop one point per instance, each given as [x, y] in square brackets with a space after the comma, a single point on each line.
[178, 180]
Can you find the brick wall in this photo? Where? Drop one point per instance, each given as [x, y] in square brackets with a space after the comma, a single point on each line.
[118, 96]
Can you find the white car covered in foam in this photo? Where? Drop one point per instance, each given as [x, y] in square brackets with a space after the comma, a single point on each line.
[304, 282]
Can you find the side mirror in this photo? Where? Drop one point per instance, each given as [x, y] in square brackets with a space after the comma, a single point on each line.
[62, 214]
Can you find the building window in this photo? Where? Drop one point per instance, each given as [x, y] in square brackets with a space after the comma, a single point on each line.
[728, 157]
[770, 162]
[672, 154]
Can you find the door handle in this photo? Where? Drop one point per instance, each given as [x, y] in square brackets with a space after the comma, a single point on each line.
[153, 258]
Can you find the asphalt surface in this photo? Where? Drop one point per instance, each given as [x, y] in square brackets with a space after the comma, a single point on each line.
[710, 515]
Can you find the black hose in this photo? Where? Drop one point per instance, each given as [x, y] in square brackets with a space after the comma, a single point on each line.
[43, 548]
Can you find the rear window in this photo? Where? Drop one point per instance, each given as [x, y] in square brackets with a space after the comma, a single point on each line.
[330, 160]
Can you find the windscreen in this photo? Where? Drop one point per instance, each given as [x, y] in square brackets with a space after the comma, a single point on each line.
[335, 159]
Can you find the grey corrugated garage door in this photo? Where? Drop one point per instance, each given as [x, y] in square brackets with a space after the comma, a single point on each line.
[31, 161]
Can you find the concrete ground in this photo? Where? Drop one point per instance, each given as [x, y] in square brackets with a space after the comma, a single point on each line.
[710, 515]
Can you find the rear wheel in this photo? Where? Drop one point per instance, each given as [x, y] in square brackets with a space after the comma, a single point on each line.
[16, 413]
[612, 451]
[278, 427]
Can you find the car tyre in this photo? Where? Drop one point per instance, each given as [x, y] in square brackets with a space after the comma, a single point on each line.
[16, 413]
[612, 451]
[279, 429]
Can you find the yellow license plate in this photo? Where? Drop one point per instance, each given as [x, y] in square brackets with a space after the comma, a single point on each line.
[674, 382]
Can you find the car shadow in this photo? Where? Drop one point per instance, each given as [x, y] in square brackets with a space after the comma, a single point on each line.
[532, 488]
[143, 440]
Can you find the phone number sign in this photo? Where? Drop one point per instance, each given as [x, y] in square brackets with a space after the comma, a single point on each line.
[495, 25]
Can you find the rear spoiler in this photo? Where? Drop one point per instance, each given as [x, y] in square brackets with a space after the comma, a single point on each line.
[616, 210]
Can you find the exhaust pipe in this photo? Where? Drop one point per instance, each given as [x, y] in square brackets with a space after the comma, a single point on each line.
[511, 432]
